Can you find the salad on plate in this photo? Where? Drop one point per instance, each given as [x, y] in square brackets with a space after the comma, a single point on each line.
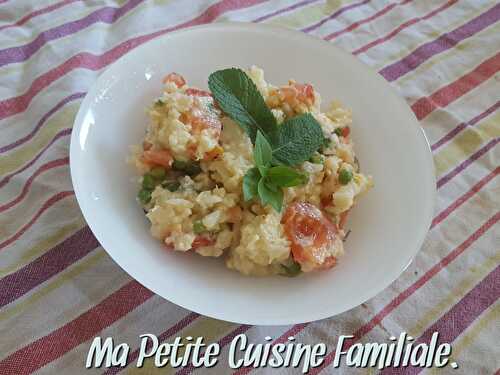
[252, 172]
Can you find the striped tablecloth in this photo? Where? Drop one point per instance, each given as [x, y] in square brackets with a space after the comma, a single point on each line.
[59, 289]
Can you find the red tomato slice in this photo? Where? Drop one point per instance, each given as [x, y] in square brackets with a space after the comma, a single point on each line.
[312, 234]
[175, 78]
[201, 241]
[197, 92]
[158, 157]
[346, 131]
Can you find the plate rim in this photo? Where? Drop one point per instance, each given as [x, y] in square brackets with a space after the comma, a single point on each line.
[252, 27]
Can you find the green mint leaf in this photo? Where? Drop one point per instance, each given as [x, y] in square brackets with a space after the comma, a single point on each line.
[240, 99]
[285, 176]
[299, 138]
[263, 170]
[262, 153]
[250, 182]
[269, 184]
[274, 196]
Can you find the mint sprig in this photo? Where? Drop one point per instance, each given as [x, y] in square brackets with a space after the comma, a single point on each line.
[266, 181]
[277, 147]
[299, 138]
[263, 153]
[238, 96]
[270, 194]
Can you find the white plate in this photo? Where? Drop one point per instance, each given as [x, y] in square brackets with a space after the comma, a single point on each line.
[388, 224]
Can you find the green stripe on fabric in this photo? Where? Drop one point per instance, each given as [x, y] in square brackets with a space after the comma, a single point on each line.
[308, 15]
[64, 118]
[466, 143]
[28, 255]
[78, 268]
[474, 275]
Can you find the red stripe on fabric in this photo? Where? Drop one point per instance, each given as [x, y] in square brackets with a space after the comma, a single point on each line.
[38, 12]
[356, 24]
[46, 349]
[452, 207]
[401, 27]
[86, 60]
[458, 318]
[451, 92]
[377, 319]
[46, 167]
[50, 202]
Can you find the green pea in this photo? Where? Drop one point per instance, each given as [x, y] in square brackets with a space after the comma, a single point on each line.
[198, 227]
[180, 165]
[317, 158]
[190, 168]
[193, 169]
[345, 176]
[144, 196]
[171, 185]
[158, 173]
[148, 182]
[292, 269]
[338, 131]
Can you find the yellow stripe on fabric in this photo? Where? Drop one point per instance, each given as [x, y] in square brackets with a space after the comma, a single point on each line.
[208, 328]
[466, 143]
[31, 33]
[468, 45]
[98, 27]
[60, 120]
[308, 15]
[474, 275]
[425, 38]
[42, 246]
[80, 267]
[463, 342]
